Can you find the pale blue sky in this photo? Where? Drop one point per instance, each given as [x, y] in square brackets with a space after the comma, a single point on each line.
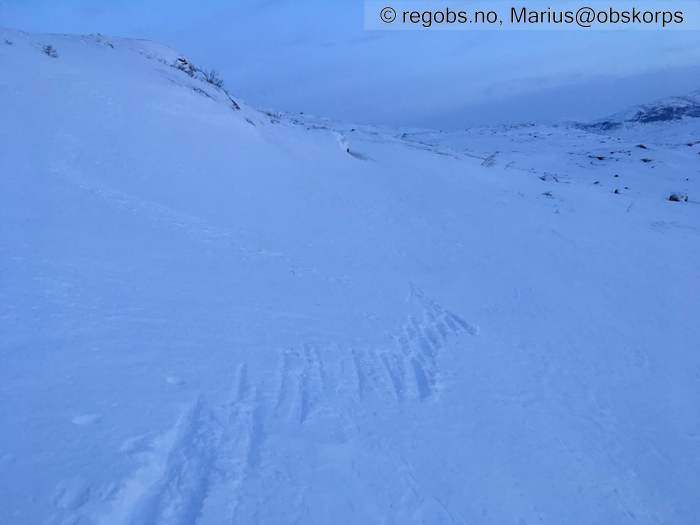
[314, 56]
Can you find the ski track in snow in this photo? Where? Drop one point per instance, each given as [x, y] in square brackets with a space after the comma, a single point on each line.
[158, 214]
[194, 228]
[197, 472]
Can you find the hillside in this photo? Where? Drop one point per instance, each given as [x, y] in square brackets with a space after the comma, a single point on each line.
[214, 314]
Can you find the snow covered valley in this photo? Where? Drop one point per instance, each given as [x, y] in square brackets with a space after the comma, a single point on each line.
[212, 314]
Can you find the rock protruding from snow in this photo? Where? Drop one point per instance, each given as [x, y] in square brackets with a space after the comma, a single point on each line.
[678, 197]
[185, 66]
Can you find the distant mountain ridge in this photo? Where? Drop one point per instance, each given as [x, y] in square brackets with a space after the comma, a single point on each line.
[662, 110]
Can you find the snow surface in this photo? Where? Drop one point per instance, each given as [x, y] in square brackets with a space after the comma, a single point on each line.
[214, 316]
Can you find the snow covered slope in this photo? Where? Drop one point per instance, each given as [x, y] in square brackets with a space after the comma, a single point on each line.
[664, 110]
[216, 315]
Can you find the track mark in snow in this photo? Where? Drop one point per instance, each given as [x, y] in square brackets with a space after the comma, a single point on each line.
[238, 451]
[422, 380]
[242, 423]
[373, 376]
[86, 419]
[394, 367]
[166, 217]
[241, 387]
[360, 375]
[171, 487]
[310, 383]
[196, 469]
[208, 468]
[288, 370]
[303, 383]
[174, 380]
[410, 367]
[71, 494]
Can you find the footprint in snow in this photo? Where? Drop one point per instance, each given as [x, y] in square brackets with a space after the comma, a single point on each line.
[175, 380]
[86, 419]
[71, 494]
[137, 445]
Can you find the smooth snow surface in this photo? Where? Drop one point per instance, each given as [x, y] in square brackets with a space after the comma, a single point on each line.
[221, 316]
